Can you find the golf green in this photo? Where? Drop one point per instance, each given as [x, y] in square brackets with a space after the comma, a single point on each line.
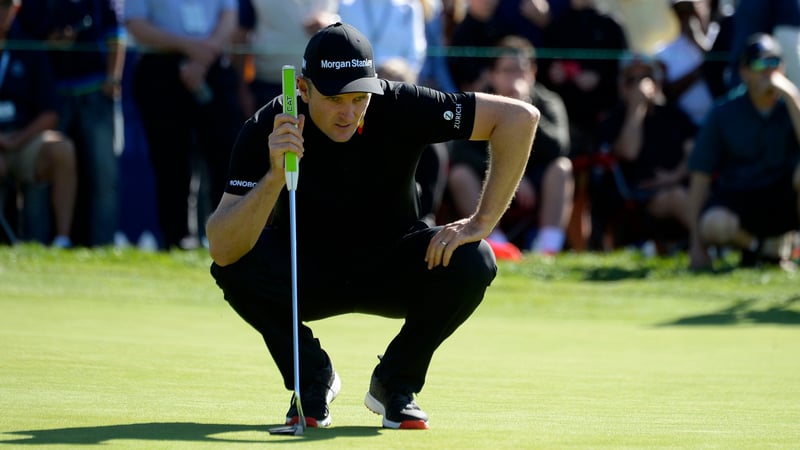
[133, 350]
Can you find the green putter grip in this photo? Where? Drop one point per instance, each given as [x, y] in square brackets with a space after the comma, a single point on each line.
[291, 166]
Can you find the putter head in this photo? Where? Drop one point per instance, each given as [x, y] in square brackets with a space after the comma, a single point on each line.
[290, 430]
[295, 429]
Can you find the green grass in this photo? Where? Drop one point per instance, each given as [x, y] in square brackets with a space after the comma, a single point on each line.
[136, 350]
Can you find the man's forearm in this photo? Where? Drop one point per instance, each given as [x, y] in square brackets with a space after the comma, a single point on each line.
[233, 229]
[149, 35]
[116, 59]
[699, 185]
[629, 142]
[45, 121]
[226, 28]
[510, 146]
[792, 101]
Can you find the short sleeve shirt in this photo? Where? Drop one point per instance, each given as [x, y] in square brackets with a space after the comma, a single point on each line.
[742, 147]
[361, 192]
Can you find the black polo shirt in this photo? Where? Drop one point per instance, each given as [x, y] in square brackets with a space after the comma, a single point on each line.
[357, 197]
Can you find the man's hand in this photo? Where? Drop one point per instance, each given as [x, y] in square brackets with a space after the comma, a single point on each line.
[193, 75]
[536, 11]
[286, 136]
[640, 93]
[203, 52]
[112, 89]
[782, 85]
[452, 235]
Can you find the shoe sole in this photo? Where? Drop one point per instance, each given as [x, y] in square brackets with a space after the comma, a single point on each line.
[377, 407]
[312, 422]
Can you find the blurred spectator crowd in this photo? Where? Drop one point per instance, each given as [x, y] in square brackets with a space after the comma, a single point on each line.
[117, 116]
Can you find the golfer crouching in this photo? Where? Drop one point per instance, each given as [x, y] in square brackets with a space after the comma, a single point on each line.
[360, 244]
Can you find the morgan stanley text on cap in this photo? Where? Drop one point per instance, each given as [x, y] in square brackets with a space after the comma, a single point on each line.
[338, 60]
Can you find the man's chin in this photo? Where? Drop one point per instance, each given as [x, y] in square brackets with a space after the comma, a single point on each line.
[341, 135]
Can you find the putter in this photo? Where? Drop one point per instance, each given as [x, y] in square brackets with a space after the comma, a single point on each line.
[292, 172]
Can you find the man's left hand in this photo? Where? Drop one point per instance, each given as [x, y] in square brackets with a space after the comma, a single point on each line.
[450, 237]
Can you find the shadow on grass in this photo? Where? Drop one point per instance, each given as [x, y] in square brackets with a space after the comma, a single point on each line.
[177, 431]
[746, 311]
[616, 274]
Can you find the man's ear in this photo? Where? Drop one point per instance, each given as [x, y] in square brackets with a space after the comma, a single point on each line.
[303, 86]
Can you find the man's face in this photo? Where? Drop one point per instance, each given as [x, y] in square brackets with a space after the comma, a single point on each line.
[756, 75]
[338, 116]
[512, 76]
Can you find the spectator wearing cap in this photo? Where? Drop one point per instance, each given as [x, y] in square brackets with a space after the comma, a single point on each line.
[744, 167]
[651, 139]
[779, 18]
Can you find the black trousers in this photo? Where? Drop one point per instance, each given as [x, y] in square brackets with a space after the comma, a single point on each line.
[433, 303]
[177, 128]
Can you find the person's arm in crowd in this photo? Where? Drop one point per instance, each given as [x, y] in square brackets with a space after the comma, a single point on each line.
[536, 11]
[629, 142]
[674, 89]
[114, 66]
[791, 97]
[699, 189]
[47, 120]
[201, 53]
[149, 35]
[226, 29]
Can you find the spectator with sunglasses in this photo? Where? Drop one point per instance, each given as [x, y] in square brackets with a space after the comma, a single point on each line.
[744, 167]
[780, 19]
